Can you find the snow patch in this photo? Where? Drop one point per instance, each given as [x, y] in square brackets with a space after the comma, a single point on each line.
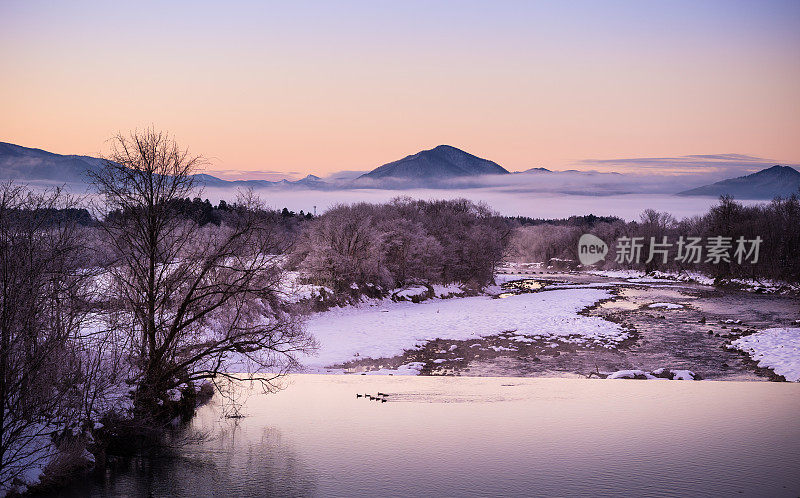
[659, 373]
[412, 368]
[630, 374]
[669, 306]
[776, 348]
[412, 291]
[447, 290]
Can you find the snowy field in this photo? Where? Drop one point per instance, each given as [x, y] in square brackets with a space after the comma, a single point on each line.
[386, 329]
[777, 348]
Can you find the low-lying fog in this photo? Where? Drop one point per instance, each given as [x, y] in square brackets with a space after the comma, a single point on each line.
[533, 204]
[509, 202]
[538, 194]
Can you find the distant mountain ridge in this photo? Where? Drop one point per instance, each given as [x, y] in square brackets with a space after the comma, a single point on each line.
[443, 161]
[765, 184]
[443, 167]
[25, 163]
[30, 164]
[207, 180]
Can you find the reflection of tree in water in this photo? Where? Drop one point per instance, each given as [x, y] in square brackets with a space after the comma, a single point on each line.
[232, 397]
[217, 455]
[241, 461]
[247, 461]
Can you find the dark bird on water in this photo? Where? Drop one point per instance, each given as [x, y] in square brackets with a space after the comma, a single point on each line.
[358, 396]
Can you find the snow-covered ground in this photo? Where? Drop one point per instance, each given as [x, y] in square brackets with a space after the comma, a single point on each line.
[777, 349]
[386, 329]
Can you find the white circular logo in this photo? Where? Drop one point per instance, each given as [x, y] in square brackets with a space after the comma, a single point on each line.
[591, 249]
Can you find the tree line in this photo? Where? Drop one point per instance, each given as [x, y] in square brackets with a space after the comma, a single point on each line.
[774, 226]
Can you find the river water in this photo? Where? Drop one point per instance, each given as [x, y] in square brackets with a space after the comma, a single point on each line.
[471, 436]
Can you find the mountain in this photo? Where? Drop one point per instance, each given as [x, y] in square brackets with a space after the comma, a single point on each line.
[28, 164]
[310, 181]
[765, 184]
[23, 163]
[443, 161]
[210, 181]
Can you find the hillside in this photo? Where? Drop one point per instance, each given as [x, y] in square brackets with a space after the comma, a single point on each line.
[765, 184]
[24, 163]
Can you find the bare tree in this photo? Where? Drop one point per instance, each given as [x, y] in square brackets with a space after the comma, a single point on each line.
[540, 243]
[411, 254]
[41, 293]
[344, 248]
[654, 226]
[196, 303]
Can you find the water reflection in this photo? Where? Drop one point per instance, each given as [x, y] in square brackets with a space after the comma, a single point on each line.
[522, 286]
[488, 436]
[236, 459]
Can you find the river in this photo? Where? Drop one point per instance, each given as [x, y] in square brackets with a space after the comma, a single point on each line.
[481, 436]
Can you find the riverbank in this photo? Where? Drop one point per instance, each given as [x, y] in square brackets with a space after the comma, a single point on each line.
[544, 323]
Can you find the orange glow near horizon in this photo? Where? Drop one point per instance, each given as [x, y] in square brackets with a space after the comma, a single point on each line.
[275, 88]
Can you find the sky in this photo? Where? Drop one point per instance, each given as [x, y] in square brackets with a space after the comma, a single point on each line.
[273, 89]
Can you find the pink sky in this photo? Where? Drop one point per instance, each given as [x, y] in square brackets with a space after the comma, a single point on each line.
[313, 88]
